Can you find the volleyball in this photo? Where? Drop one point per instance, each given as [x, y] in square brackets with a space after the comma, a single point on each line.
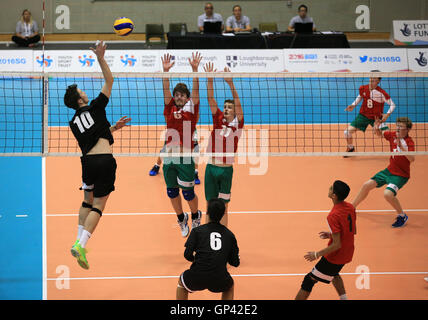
[123, 26]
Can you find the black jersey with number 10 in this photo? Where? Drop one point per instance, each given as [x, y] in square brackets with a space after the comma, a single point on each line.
[90, 123]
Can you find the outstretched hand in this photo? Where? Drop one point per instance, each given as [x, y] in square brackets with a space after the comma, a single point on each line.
[100, 49]
[122, 122]
[166, 62]
[195, 61]
[209, 67]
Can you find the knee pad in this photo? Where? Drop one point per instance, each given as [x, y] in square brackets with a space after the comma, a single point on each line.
[308, 283]
[173, 192]
[86, 205]
[189, 195]
[347, 134]
[98, 211]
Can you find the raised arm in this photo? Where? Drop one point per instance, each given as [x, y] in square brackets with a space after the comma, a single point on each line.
[238, 107]
[166, 65]
[209, 67]
[194, 63]
[99, 51]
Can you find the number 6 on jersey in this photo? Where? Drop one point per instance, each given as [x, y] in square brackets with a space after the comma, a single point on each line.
[215, 241]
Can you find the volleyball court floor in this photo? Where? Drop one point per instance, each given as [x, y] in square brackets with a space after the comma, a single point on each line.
[136, 252]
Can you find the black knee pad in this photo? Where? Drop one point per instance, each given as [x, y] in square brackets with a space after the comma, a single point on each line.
[308, 283]
[86, 205]
[98, 211]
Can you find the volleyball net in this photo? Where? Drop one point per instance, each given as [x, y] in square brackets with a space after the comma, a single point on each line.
[284, 113]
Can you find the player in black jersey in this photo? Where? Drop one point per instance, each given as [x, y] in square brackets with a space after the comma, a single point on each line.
[93, 132]
[215, 246]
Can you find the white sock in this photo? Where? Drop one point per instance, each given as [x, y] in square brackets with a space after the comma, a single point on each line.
[84, 238]
[402, 214]
[350, 146]
[79, 231]
[343, 297]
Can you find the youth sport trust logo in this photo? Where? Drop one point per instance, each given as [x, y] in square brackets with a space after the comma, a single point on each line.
[86, 61]
[46, 61]
[128, 61]
[422, 61]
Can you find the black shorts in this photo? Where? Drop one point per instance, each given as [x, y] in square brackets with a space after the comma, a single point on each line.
[98, 174]
[325, 271]
[196, 281]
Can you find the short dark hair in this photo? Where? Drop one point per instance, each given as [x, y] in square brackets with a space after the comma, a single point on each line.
[71, 97]
[341, 190]
[229, 101]
[181, 87]
[236, 6]
[216, 209]
[302, 6]
[380, 78]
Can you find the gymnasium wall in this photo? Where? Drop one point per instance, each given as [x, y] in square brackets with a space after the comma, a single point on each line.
[96, 16]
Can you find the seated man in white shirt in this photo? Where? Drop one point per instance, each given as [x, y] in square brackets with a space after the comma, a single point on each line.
[237, 22]
[301, 18]
[210, 16]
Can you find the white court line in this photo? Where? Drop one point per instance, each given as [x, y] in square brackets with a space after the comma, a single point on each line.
[21, 215]
[238, 275]
[232, 212]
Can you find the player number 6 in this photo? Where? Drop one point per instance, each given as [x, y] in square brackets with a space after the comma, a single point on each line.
[215, 241]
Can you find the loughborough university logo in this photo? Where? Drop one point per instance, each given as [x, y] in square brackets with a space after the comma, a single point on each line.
[232, 61]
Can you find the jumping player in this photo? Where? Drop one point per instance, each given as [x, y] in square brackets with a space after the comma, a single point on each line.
[215, 246]
[227, 129]
[374, 98]
[342, 223]
[93, 132]
[398, 172]
[181, 115]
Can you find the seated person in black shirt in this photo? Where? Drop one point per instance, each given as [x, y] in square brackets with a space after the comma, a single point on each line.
[215, 246]
[93, 132]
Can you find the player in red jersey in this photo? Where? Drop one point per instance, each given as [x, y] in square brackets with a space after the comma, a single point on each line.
[374, 98]
[181, 115]
[340, 249]
[398, 172]
[227, 129]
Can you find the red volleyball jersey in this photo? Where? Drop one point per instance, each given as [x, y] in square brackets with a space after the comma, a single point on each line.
[399, 165]
[373, 101]
[342, 219]
[181, 123]
[225, 136]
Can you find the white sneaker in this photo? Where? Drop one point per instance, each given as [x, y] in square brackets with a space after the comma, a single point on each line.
[426, 279]
[183, 225]
[197, 222]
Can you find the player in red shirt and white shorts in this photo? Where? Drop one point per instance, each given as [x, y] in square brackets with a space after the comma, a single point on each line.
[398, 172]
[340, 250]
[374, 98]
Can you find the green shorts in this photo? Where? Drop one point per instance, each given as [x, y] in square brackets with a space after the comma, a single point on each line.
[179, 172]
[218, 182]
[394, 182]
[361, 122]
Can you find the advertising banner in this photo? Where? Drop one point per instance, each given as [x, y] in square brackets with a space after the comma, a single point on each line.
[409, 32]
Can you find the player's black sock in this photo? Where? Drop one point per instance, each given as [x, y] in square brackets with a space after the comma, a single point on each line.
[195, 215]
[181, 217]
